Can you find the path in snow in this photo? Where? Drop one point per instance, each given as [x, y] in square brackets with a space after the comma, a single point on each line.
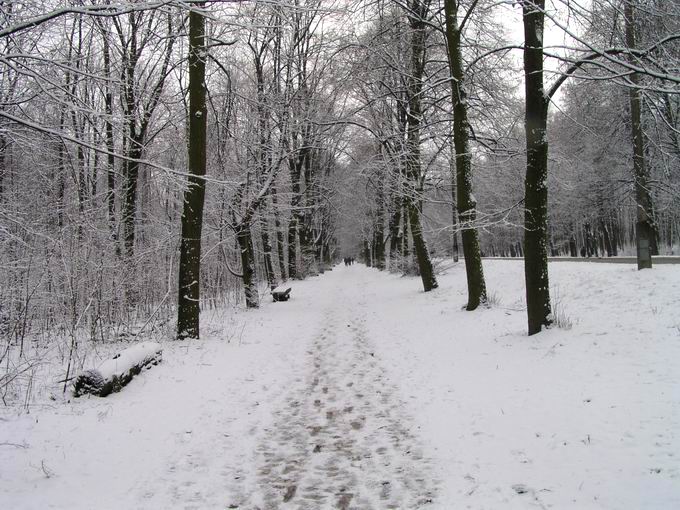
[340, 437]
[364, 392]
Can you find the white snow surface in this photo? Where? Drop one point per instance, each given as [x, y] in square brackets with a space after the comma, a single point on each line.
[364, 392]
[129, 358]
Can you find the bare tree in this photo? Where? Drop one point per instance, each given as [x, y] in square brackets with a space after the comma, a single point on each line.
[644, 227]
[188, 302]
[465, 201]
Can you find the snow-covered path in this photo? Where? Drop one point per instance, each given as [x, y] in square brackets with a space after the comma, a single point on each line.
[293, 412]
[363, 392]
[341, 436]
[327, 432]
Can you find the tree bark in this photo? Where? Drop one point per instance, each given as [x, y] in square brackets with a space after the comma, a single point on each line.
[188, 303]
[3, 152]
[292, 247]
[536, 187]
[465, 202]
[280, 248]
[405, 251]
[413, 164]
[379, 236]
[455, 252]
[394, 226]
[422, 256]
[61, 171]
[263, 166]
[245, 243]
[267, 252]
[295, 226]
[644, 226]
[131, 179]
[110, 147]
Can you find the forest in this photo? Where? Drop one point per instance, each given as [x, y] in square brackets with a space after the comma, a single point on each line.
[265, 140]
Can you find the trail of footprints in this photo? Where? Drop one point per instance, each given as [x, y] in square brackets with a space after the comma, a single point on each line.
[340, 440]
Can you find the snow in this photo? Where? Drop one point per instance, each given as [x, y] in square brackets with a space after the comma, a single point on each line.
[366, 392]
[584, 418]
[281, 288]
[138, 354]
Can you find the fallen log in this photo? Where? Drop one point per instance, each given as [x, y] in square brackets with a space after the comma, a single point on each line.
[116, 372]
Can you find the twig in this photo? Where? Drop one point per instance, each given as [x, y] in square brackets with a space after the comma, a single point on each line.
[15, 445]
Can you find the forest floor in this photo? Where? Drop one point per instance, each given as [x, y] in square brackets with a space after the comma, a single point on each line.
[363, 392]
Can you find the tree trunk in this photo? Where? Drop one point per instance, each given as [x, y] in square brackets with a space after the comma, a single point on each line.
[245, 243]
[455, 251]
[188, 303]
[644, 228]
[61, 171]
[280, 248]
[536, 186]
[115, 373]
[573, 251]
[263, 167]
[296, 218]
[137, 111]
[606, 238]
[405, 251]
[292, 247]
[413, 164]
[267, 249]
[110, 158]
[131, 179]
[613, 222]
[305, 233]
[394, 226]
[3, 152]
[422, 256]
[81, 183]
[327, 256]
[379, 236]
[466, 204]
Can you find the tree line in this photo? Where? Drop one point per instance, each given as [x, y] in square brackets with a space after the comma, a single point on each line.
[614, 172]
[157, 158]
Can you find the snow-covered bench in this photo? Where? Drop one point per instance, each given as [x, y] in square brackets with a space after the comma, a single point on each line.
[115, 373]
[281, 294]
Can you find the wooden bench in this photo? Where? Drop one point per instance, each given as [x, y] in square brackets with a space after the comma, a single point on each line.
[279, 294]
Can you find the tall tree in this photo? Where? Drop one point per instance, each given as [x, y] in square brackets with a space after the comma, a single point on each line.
[418, 24]
[139, 103]
[466, 204]
[536, 183]
[644, 228]
[188, 302]
[259, 45]
[104, 28]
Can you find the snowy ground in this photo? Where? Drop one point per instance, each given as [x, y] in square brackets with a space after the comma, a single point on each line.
[363, 392]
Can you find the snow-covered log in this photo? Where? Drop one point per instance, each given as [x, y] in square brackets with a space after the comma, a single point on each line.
[115, 373]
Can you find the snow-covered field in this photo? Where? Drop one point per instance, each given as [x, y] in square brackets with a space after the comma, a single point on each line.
[364, 392]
